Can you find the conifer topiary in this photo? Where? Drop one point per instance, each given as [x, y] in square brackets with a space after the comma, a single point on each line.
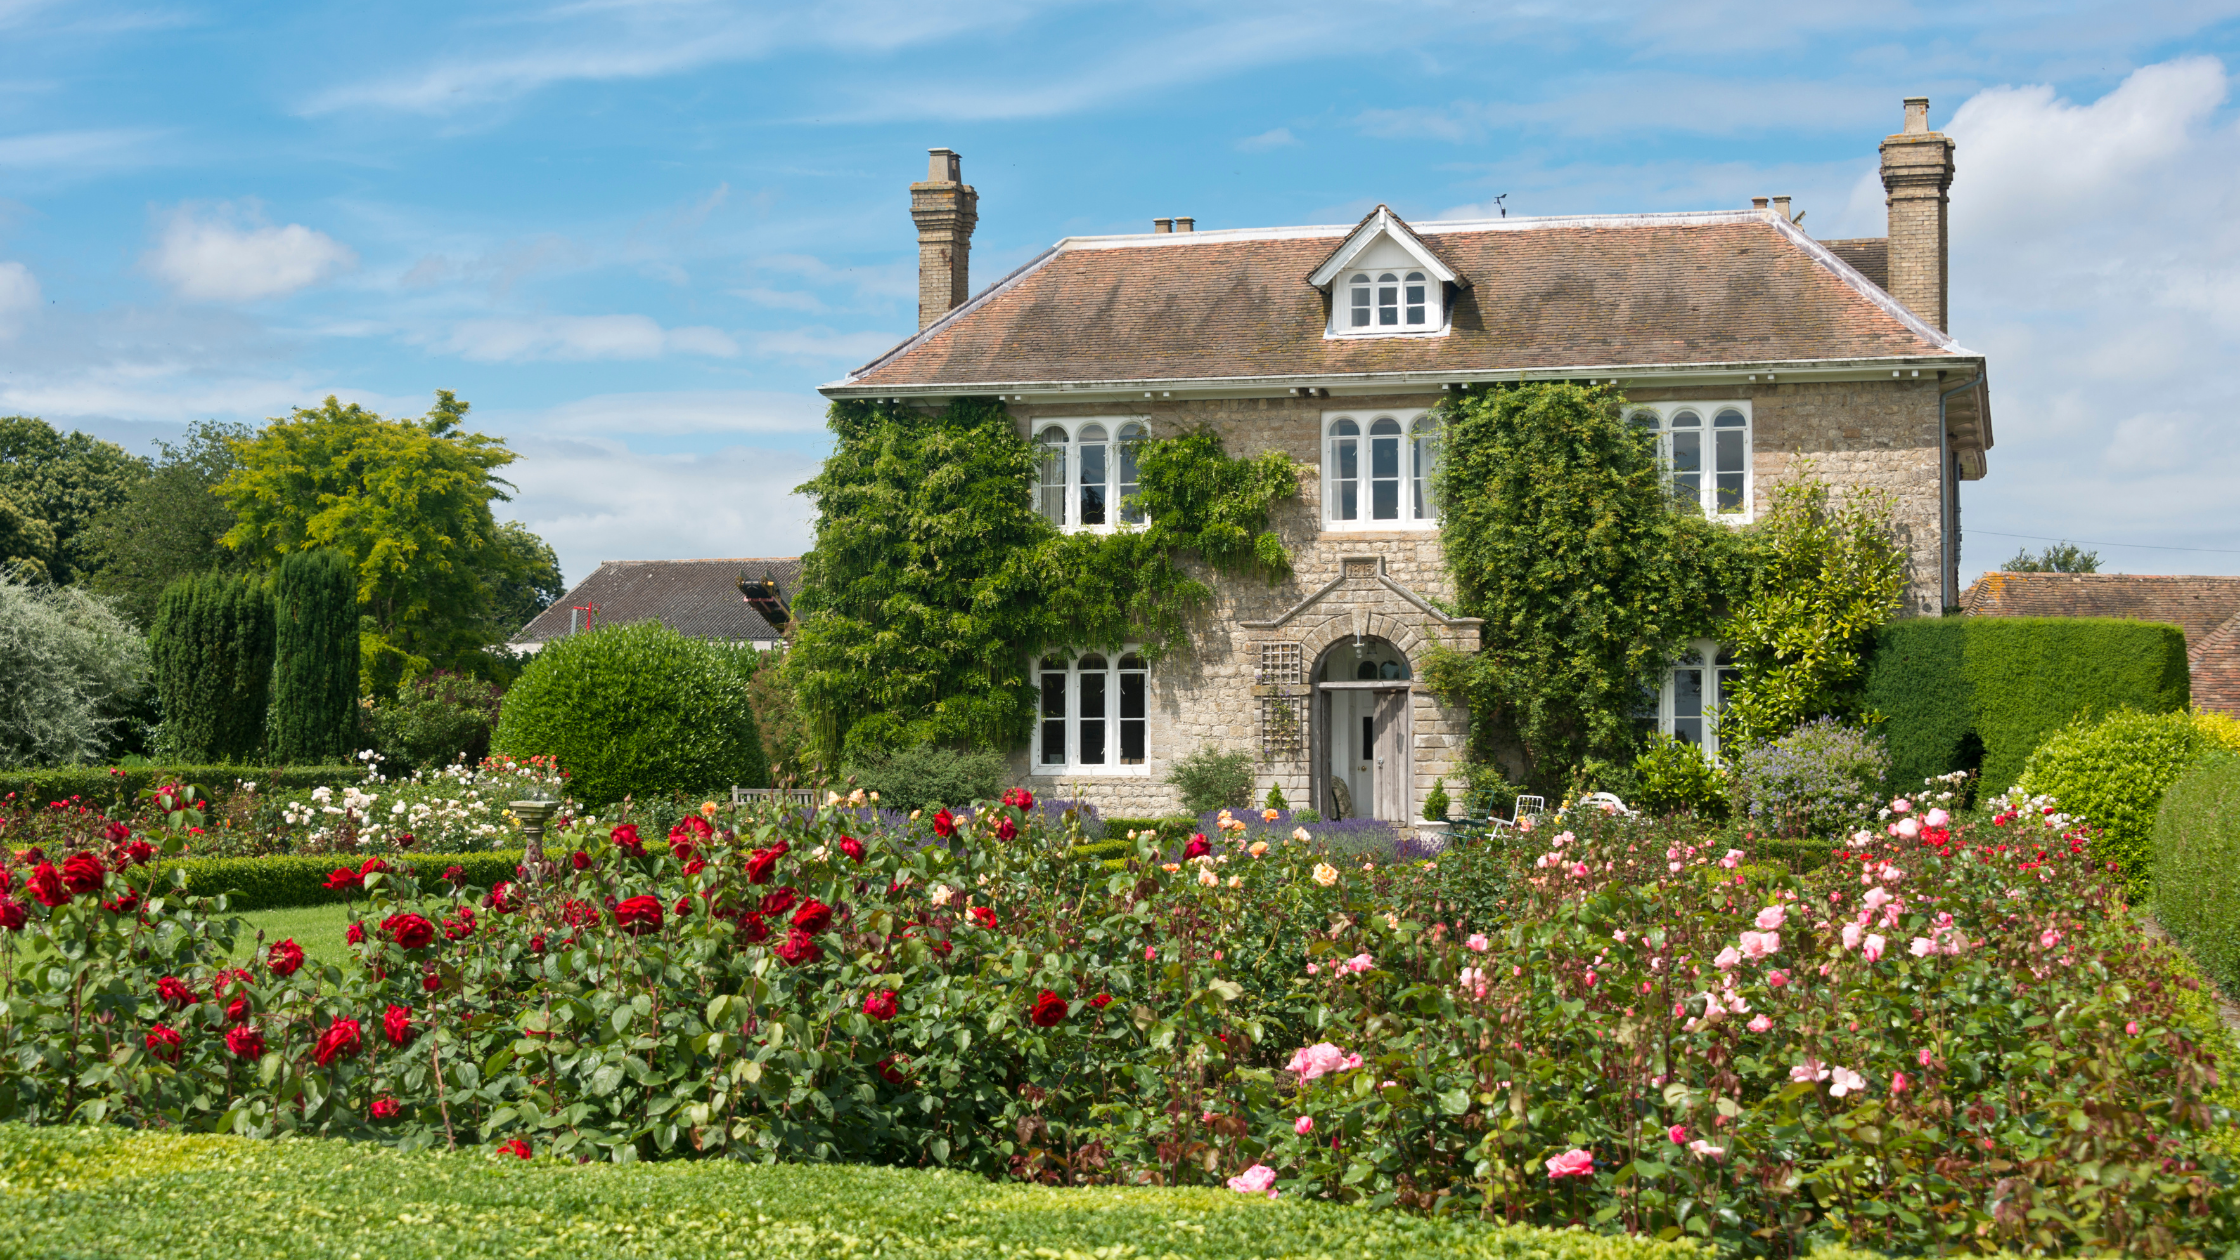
[212, 643]
[315, 658]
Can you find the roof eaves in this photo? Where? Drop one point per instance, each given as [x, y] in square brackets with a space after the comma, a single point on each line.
[1864, 287]
[956, 313]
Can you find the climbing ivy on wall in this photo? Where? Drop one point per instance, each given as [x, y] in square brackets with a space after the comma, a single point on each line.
[933, 583]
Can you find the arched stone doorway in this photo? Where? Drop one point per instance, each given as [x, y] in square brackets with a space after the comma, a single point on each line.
[1362, 748]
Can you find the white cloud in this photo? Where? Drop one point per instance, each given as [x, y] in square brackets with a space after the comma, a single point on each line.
[1280, 138]
[19, 297]
[577, 337]
[232, 256]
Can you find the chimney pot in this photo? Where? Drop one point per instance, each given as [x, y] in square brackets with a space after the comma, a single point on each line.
[1917, 184]
[1781, 207]
[945, 208]
[1182, 224]
[1757, 203]
[1162, 225]
[1917, 115]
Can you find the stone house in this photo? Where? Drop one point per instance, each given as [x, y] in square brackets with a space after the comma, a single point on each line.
[743, 601]
[2206, 608]
[1741, 341]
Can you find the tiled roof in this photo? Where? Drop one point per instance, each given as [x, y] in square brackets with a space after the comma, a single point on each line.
[2206, 608]
[1641, 290]
[1868, 255]
[699, 598]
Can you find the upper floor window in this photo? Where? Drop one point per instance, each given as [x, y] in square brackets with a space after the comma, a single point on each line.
[1390, 301]
[1705, 448]
[1086, 476]
[1095, 715]
[1378, 468]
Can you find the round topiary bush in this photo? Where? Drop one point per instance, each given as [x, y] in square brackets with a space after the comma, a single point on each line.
[1674, 777]
[636, 710]
[2112, 773]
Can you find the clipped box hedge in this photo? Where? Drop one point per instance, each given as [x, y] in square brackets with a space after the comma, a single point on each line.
[287, 880]
[106, 1192]
[101, 785]
[1957, 688]
[2196, 864]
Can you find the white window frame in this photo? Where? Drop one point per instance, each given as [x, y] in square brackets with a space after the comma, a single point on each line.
[1701, 658]
[1708, 472]
[1073, 427]
[1388, 288]
[1066, 673]
[1418, 448]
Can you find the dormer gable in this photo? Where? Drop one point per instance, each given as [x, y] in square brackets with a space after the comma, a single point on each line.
[1383, 280]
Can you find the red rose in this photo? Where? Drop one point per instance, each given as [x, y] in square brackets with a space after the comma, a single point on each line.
[46, 885]
[1101, 1001]
[517, 1146]
[944, 824]
[356, 933]
[410, 931]
[799, 948]
[454, 874]
[396, 1025]
[384, 1108]
[83, 873]
[344, 877]
[502, 897]
[778, 900]
[164, 1043]
[638, 915]
[881, 1005]
[579, 914]
[238, 1009]
[1007, 830]
[1198, 847]
[983, 916]
[125, 904]
[695, 866]
[404, 841]
[1019, 798]
[891, 1068]
[459, 924]
[580, 860]
[813, 916]
[370, 865]
[341, 1040]
[753, 928]
[284, 958]
[115, 832]
[226, 979]
[853, 848]
[761, 864]
[1049, 1010]
[13, 914]
[174, 992]
[625, 838]
[536, 943]
[431, 982]
[245, 1042]
[139, 852]
[683, 908]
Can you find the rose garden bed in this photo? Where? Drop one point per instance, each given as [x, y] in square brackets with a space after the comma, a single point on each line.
[1952, 1039]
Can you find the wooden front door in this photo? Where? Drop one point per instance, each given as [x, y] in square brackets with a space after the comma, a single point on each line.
[1394, 773]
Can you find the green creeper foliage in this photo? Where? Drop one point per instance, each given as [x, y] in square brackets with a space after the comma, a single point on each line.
[1825, 578]
[57, 483]
[2112, 774]
[1954, 690]
[2196, 863]
[636, 710]
[1559, 530]
[933, 583]
[315, 657]
[212, 643]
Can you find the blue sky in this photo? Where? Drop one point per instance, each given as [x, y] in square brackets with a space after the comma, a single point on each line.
[636, 236]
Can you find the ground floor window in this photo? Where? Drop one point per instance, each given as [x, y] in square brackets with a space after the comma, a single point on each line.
[1094, 714]
[1692, 692]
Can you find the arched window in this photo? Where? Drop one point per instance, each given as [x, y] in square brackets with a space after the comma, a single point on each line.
[1084, 478]
[1384, 469]
[1343, 459]
[1360, 291]
[1423, 461]
[1694, 691]
[1415, 295]
[1388, 300]
[1095, 715]
[1709, 465]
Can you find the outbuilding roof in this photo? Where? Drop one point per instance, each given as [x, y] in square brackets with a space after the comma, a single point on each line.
[2206, 608]
[699, 598]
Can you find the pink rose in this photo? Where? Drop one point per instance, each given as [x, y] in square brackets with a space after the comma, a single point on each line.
[1321, 1059]
[1732, 860]
[1756, 945]
[1901, 805]
[1477, 941]
[1760, 1024]
[1303, 1125]
[1777, 979]
[1728, 957]
[2130, 1029]
[1572, 1163]
[1771, 917]
[1909, 827]
[1936, 818]
[1851, 934]
[1808, 1071]
[1357, 964]
[1873, 949]
[1898, 1082]
[1678, 1133]
[1921, 947]
[2048, 939]
[1258, 1179]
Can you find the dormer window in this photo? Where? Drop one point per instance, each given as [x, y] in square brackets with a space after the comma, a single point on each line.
[1389, 299]
[1384, 281]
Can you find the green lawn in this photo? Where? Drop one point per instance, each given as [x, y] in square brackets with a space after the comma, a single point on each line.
[68, 1192]
[318, 929]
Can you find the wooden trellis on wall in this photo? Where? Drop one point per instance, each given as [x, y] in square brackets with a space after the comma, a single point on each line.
[1280, 685]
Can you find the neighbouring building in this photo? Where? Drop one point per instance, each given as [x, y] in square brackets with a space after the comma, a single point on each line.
[738, 601]
[1743, 343]
[2206, 608]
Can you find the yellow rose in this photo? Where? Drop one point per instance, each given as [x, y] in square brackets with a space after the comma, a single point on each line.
[1325, 874]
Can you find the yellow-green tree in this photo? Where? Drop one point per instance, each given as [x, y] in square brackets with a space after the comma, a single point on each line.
[408, 501]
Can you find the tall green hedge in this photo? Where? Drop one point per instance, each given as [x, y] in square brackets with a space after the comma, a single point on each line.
[2002, 685]
[212, 642]
[2197, 864]
[118, 788]
[282, 881]
[315, 657]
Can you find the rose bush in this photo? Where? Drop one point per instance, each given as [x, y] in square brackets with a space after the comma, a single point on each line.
[1516, 1032]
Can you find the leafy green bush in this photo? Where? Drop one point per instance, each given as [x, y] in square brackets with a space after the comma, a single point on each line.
[1821, 781]
[299, 879]
[1274, 799]
[116, 788]
[2111, 774]
[1434, 805]
[105, 1192]
[636, 710]
[928, 776]
[2196, 863]
[70, 669]
[435, 720]
[1674, 777]
[1211, 779]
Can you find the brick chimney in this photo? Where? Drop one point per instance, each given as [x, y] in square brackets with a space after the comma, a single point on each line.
[945, 209]
[1917, 176]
